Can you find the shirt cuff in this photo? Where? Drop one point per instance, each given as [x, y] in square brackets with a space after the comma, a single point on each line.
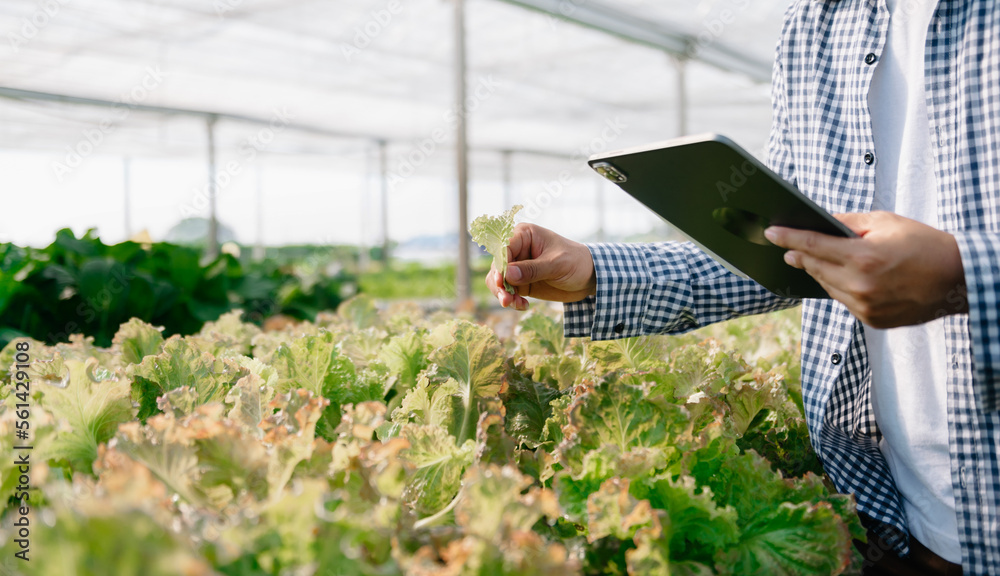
[623, 287]
[578, 318]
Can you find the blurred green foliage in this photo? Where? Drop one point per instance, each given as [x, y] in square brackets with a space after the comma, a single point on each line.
[81, 285]
[414, 281]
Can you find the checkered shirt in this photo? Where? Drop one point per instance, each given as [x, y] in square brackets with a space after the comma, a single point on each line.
[820, 135]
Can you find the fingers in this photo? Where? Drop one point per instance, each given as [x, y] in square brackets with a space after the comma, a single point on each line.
[816, 244]
[820, 269]
[530, 272]
[506, 299]
[526, 242]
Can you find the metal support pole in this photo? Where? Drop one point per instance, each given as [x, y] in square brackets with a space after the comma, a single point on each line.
[680, 64]
[364, 260]
[463, 288]
[213, 220]
[383, 165]
[127, 189]
[258, 248]
[508, 185]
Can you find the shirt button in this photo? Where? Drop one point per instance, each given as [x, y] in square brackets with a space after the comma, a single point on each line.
[835, 358]
[869, 158]
[870, 59]
[619, 327]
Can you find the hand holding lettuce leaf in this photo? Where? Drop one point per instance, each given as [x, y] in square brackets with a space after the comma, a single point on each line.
[494, 234]
[542, 264]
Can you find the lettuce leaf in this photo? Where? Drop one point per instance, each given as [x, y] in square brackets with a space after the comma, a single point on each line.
[437, 465]
[180, 364]
[136, 339]
[87, 403]
[494, 233]
[529, 406]
[472, 356]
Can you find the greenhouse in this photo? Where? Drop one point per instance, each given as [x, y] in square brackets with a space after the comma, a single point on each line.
[244, 326]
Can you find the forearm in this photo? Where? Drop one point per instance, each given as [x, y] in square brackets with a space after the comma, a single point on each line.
[664, 288]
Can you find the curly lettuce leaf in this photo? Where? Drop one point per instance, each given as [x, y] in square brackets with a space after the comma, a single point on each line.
[87, 401]
[624, 416]
[136, 339]
[406, 357]
[493, 233]
[493, 444]
[496, 501]
[472, 356]
[794, 539]
[180, 364]
[631, 354]
[529, 407]
[437, 465]
[315, 363]
[228, 334]
[612, 511]
[698, 528]
[289, 433]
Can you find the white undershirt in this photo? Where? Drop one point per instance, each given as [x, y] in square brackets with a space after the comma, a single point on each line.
[908, 364]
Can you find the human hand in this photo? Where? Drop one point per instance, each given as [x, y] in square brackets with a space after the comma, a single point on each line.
[899, 272]
[543, 265]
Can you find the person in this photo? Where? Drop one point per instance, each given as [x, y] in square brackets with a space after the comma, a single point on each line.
[886, 114]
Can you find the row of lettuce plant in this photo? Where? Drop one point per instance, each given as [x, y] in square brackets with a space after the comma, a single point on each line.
[382, 442]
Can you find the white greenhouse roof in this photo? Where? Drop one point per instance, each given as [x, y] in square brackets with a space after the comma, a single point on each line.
[346, 74]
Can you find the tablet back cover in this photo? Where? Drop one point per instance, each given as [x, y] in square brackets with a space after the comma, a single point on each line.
[723, 199]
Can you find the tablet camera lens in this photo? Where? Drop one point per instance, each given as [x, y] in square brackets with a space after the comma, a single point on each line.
[610, 172]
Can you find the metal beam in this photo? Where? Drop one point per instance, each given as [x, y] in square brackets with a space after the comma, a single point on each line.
[127, 190]
[213, 217]
[682, 99]
[383, 168]
[30, 95]
[258, 246]
[508, 184]
[463, 285]
[598, 16]
[18, 94]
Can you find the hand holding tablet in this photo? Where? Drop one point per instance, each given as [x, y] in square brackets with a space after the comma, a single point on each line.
[722, 199]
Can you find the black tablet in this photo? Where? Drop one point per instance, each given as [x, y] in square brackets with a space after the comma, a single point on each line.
[722, 199]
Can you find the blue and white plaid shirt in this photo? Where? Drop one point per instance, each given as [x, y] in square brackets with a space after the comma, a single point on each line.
[820, 136]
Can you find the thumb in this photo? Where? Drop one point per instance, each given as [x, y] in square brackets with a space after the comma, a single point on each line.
[528, 271]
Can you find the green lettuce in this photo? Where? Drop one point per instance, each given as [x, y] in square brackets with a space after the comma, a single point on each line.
[494, 233]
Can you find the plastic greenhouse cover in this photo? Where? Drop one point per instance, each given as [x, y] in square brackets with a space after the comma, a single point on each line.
[358, 70]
